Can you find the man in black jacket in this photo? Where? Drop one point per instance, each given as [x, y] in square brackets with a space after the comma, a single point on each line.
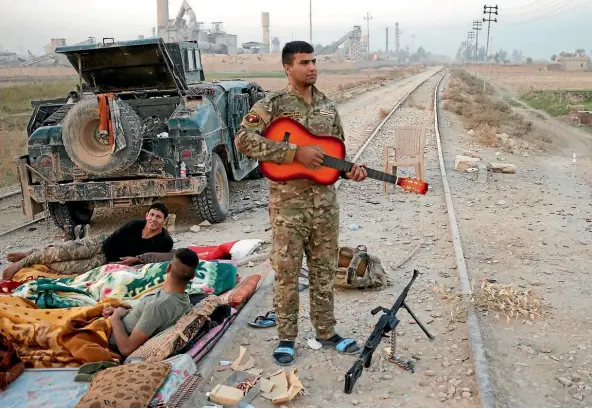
[76, 257]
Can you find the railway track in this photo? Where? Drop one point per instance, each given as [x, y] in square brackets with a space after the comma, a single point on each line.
[479, 359]
[475, 336]
[207, 366]
[15, 190]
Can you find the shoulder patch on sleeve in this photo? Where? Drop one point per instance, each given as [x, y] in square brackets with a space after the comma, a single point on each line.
[252, 119]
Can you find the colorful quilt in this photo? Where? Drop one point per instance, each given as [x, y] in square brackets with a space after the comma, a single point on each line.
[58, 337]
[122, 282]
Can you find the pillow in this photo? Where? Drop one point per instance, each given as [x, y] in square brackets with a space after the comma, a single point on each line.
[175, 338]
[182, 367]
[243, 291]
[125, 386]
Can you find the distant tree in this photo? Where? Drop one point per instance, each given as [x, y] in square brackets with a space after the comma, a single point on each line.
[517, 55]
[503, 54]
[421, 53]
[529, 60]
[553, 57]
[496, 57]
[564, 54]
[459, 54]
[404, 54]
[580, 52]
[481, 54]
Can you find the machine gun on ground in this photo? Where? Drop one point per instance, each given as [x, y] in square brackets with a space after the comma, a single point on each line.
[386, 323]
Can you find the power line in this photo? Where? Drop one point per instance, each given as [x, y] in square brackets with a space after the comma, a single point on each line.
[536, 5]
[538, 10]
[555, 12]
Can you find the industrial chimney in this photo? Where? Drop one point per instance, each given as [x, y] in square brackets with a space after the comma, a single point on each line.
[162, 13]
[265, 25]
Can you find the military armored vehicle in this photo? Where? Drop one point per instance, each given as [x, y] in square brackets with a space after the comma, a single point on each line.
[142, 124]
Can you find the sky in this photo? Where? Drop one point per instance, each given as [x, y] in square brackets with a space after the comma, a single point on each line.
[539, 28]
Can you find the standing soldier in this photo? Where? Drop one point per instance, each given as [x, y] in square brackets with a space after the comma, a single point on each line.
[304, 214]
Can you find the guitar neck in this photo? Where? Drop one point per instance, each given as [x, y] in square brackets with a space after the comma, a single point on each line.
[346, 166]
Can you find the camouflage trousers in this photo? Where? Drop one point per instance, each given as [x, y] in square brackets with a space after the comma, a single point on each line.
[70, 257]
[314, 231]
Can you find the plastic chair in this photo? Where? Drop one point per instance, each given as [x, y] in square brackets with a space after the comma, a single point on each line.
[410, 143]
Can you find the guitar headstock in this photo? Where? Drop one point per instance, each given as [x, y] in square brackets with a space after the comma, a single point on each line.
[413, 185]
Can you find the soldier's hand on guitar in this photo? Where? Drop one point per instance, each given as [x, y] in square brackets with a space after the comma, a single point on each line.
[309, 156]
[358, 173]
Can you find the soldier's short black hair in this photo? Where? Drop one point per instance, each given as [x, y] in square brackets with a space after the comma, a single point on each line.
[187, 257]
[295, 47]
[160, 206]
[190, 260]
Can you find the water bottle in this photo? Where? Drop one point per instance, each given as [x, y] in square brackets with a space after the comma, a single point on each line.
[183, 170]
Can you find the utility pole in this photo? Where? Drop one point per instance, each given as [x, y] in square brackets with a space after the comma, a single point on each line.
[477, 26]
[310, 20]
[368, 18]
[412, 40]
[489, 10]
[387, 40]
[470, 37]
[397, 42]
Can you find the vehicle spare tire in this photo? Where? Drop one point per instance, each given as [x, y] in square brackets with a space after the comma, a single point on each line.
[89, 150]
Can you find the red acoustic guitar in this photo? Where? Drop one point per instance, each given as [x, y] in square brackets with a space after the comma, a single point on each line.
[289, 130]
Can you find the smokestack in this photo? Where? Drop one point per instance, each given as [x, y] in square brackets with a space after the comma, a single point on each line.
[162, 13]
[153, 31]
[265, 25]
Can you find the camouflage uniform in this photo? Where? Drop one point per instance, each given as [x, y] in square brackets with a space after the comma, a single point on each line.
[304, 214]
[70, 257]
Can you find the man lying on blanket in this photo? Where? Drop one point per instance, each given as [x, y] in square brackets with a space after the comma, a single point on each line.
[75, 257]
[156, 312]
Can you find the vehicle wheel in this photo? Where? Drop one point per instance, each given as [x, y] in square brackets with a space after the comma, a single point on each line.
[213, 203]
[72, 213]
[256, 174]
[90, 151]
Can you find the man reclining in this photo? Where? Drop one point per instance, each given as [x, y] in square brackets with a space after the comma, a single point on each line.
[155, 312]
[75, 257]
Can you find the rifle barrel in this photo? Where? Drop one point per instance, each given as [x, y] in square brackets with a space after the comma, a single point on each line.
[399, 303]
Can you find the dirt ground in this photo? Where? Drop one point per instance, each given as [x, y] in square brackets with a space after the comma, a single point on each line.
[556, 134]
[523, 78]
[265, 62]
[392, 226]
[531, 230]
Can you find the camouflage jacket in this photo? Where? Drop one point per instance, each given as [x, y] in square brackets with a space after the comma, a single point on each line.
[320, 118]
